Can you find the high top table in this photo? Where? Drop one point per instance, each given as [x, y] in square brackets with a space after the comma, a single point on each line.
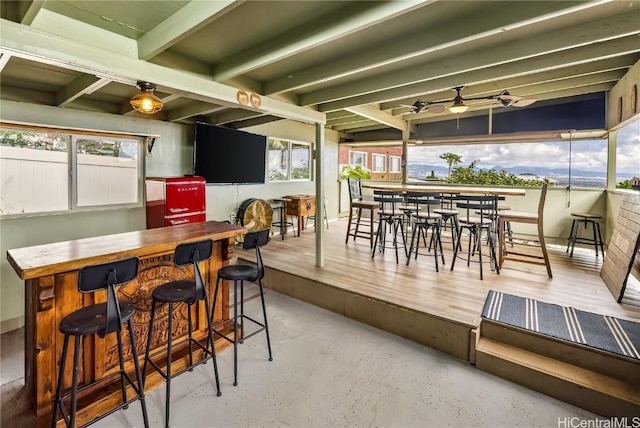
[50, 273]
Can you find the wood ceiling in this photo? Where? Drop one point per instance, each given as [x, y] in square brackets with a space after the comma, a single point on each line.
[357, 62]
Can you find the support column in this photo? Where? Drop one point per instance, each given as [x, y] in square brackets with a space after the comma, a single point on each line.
[319, 222]
[612, 149]
[405, 145]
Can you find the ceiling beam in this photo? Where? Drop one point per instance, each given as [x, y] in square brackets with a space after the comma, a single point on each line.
[552, 61]
[580, 36]
[68, 28]
[186, 21]
[233, 115]
[36, 45]
[197, 108]
[331, 28]
[379, 116]
[31, 11]
[4, 59]
[83, 84]
[445, 35]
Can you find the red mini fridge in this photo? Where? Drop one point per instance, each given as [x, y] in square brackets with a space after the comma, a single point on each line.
[175, 200]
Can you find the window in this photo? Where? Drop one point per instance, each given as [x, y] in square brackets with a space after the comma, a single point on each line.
[628, 155]
[358, 158]
[44, 171]
[379, 163]
[580, 163]
[394, 164]
[289, 160]
[278, 160]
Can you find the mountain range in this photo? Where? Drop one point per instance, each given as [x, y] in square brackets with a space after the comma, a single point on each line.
[422, 170]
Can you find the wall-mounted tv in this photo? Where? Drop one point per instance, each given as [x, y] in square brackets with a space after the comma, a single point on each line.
[229, 156]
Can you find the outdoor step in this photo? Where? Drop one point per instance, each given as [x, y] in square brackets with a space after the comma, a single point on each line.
[589, 358]
[590, 390]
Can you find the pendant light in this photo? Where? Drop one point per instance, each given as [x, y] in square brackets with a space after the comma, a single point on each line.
[146, 102]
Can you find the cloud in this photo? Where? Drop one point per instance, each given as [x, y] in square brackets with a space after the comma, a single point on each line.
[586, 154]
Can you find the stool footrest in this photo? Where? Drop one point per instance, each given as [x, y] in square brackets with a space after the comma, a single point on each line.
[207, 352]
[242, 335]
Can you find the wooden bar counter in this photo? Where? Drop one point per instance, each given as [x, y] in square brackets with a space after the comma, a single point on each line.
[51, 275]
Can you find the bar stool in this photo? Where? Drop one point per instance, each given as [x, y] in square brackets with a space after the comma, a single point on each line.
[356, 206]
[313, 216]
[476, 226]
[280, 204]
[239, 273]
[389, 214]
[190, 293]
[422, 222]
[449, 214]
[493, 215]
[100, 319]
[586, 219]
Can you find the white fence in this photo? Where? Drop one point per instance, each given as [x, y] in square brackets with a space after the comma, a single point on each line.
[38, 180]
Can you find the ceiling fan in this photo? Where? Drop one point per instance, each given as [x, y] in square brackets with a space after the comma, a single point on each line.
[424, 106]
[504, 99]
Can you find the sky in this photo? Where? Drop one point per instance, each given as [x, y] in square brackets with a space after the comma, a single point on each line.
[588, 155]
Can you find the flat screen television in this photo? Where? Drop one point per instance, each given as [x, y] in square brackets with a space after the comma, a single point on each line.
[229, 156]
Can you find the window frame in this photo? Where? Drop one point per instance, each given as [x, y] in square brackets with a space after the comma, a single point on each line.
[399, 164]
[289, 151]
[73, 136]
[352, 153]
[373, 163]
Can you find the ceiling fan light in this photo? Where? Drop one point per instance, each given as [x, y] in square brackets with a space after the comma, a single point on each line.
[458, 107]
[146, 102]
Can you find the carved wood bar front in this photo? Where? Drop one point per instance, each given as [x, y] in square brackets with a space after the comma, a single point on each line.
[51, 292]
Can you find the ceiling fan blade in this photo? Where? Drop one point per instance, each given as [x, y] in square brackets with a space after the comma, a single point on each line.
[412, 108]
[435, 108]
[523, 102]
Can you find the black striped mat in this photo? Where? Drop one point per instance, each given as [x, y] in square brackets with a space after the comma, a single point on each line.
[564, 322]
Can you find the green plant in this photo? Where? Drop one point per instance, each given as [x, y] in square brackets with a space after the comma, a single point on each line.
[358, 171]
[472, 175]
[626, 184]
[451, 159]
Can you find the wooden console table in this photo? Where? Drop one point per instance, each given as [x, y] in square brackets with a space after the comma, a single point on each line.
[301, 206]
[51, 275]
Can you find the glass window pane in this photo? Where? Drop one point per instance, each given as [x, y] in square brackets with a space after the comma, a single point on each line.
[379, 163]
[107, 171]
[394, 164]
[514, 163]
[300, 156]
[278, 160]
[628, 155]
[358, 158]
[33, 171]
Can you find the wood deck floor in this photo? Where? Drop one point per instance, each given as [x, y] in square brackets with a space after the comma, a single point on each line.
[457, 296]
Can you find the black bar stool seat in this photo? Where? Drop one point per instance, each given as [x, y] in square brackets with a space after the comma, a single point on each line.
[178, 291]
[87, 321]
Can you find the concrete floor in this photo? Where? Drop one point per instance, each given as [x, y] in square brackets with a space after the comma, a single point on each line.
[328, 371]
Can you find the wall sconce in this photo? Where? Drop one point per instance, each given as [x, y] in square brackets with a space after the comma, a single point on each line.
[146, 102]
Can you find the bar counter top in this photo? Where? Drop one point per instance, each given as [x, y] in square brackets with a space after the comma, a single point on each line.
[50, 259]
